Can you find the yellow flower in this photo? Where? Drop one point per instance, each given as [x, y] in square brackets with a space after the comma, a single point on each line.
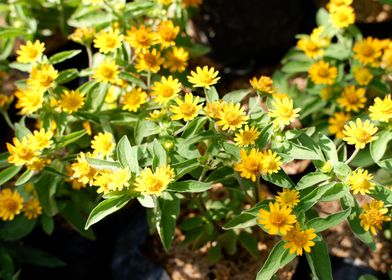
[87, 127]
[283, 112]
[359, 181]
[387, 59]
[246, 136]
[352, 99]
[134, 99]
[93, 2]
[338, 3]
[165, 2]
[263, 84]
[192, 3]
[71, 101]
[359, 134]
[103, 144]
[29, 100]
[327, 167]
[42, 77]
[288, 197]
[108, 41]
[176, 60]
[320, 37]
[381, 110]
[156, 115]
[373, 216]
[106, 72]
[37, 164]
[5, 101]
[32, 209]
[109, 180]
[311, 48]
[277, 220]
[82, 171]
[166, 89]
[250, 165]
[203, 77]
[149, 182]
[232, 116]
[40, 140]
[82, 35]
[11, 204]
[322, 73]
[325, 93]
[30, 52]
[214, 109]
[368, 51]
[21, 152]
[141, 38]
[342, 17]
[149, 61]
[187, 109]
[270, 162]
[363, 76]
[167, 32]
[298, 240]
[337, 122]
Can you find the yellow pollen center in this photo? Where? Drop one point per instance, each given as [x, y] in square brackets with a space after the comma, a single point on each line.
[363, 136]
[187, 109]
[323, 72]
[277, 219]
[11, 205]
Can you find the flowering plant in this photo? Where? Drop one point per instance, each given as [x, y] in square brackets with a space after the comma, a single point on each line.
[140, 127]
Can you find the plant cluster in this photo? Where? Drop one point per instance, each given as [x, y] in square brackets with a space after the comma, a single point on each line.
[138, 126]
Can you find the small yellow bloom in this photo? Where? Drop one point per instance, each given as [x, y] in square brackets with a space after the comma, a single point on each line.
[278, 220]
[263, 84]
[41, 139]
[134, 99]
[322, 73]
[214, 109]
[149, 61]
[108, 41]
[203, 77]
[288, 197]
[106, 72]
[21, 152]
[359, 181]
[192, 3]
[337, 122]
[363, 76]
[187, 109]
[156, 115]
[82, 171]
[42, 77]
[37, 164]
[165, 90]
[359, 134]
[232, 116]
[32, 208]
[246, 136]
[149, 182]
[176, 60]
[320, 37]
[270, 162]
[381, 110]
[30, 52]
[325, 93]
[310, 47]
[167, 32]
[29, 100]
[82, 35]
[283, 112]
[11, 204]
[352, 98]
[165, 2]
[110, 180]
[386, 61]
[368, 51]
[327, 167]
[373, 216]
[103, 144]
[5, 101]
[71, 101]
[342, 17]
[250, 165]
[338, 3]
[299, 240]
[141, 38]
[87, 127]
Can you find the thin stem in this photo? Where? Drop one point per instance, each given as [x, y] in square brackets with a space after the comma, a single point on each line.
[257, 189]
[148, 80]
[8, 120]
[254, 105]
[352, 156]
[249, 198]
[203, 173]
[90, 56]
[181, 129]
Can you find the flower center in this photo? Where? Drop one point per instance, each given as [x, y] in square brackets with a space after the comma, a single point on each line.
[367, 50]
[11, 205]
[155, 185]
[187, 109]
[363, 136]
[167, 91]
[323, 72]
[277, 219]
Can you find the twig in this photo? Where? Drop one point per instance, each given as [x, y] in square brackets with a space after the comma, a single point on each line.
[8, 120]
[352, 156]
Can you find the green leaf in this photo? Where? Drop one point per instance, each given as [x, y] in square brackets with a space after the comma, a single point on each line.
[184, 167]
[143, 129]
[12, 32]
[280, 179]
[311, 198]
[76, 218]
[93, 18]
[338, 51]
[105, 208]
[4, 159]
[21, 130]
[127, 155]
[382, 193]
[146, 201]
[386, 164]
[249, 242]
[214, 254]
[9, 173]
[6, 264]
[101, 164]
[319, 261]
[189, 186]
[265, 136]
[236, 96]
[169, 206]
[46, 188]
[195, 126]
[342, 170]
[368, 276]
[47, 223]
[277, 259]
[322, 17]
[137, 8]
[64, 141]
[212, 95]
[38, 257]
[62, 56]
[159, 156]
[132, 79]
[296, 66]
[312, 179]
[68, 75]
[16, 229]
[321, 224]
[296, 151]
[25, 177]
[329, 148]
[246, 218]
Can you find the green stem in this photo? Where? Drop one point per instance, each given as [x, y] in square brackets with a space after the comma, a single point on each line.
[248, 197]
[352, 156]
[8, 120]
[203, 173]
[148, 80]
[257, 189]
[90, 58]
[181, 129]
